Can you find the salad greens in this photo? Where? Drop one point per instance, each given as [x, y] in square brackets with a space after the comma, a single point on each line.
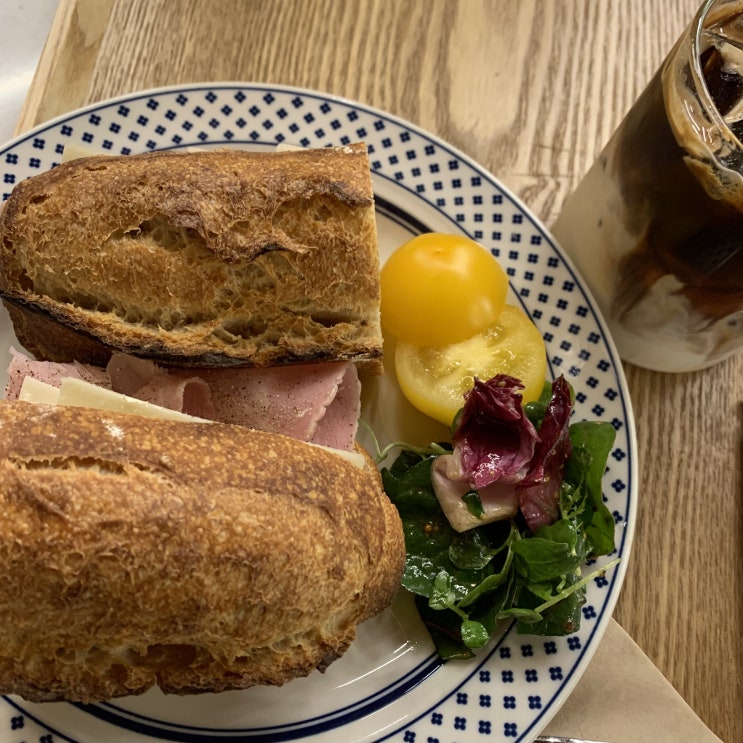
[466, 582]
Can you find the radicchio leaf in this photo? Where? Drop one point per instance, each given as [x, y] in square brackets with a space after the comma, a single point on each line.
[539, 490]
[494, 438]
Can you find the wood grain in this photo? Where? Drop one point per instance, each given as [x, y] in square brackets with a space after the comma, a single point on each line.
[70, 53]
[531, 89]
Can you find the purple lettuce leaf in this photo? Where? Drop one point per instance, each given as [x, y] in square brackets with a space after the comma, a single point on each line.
[494, 438]
[539, 490]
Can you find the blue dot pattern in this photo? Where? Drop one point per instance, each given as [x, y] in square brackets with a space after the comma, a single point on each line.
[509, 688]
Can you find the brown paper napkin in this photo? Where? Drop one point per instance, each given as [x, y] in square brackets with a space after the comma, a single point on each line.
[623, 698]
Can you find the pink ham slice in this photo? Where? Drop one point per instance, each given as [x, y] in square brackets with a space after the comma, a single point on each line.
[22, 366]
[147, 381]
[312, 402]
[319, 403]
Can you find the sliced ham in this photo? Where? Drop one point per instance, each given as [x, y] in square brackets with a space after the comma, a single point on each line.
[319, 403]
[147, 381]
[21, 366]
[128, 374]
[337, 427]
[189, 395]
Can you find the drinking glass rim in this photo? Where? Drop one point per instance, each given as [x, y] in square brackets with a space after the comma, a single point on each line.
[695, 31]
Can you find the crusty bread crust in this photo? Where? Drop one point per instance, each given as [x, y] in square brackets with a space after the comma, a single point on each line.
[214, 258]
[199, 557]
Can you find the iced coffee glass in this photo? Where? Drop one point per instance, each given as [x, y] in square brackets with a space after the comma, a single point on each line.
[656, 226]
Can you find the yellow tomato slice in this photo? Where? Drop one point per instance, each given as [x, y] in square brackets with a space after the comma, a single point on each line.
[435, 378]
[439, 288]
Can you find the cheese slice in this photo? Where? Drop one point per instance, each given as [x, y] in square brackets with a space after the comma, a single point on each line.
[86, 395]
[83, 394]
[352, 457]
[32, 390]
[74, 151]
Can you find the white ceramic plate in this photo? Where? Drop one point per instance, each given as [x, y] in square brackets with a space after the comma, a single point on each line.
[390, 685]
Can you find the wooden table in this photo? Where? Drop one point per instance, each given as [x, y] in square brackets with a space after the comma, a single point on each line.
[531, 89]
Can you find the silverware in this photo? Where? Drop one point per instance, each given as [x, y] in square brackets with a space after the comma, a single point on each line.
[553, 739]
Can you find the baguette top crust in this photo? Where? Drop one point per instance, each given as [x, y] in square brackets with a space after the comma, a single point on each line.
[209, 258]
[198, 557]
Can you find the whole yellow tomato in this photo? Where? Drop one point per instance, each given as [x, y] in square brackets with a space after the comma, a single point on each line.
[439, 289]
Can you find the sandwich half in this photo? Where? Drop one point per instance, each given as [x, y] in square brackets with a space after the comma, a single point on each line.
[212, 258]
[197, 557]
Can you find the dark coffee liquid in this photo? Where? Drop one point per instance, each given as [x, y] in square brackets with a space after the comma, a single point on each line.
[656, 225]
[686, 212]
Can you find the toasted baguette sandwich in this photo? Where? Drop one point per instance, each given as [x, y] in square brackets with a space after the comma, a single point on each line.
[198, 557]
[211, 258]
[192, 555]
